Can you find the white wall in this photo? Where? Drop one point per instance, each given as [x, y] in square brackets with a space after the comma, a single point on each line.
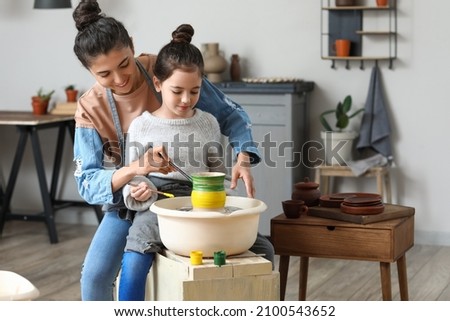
[273, 38]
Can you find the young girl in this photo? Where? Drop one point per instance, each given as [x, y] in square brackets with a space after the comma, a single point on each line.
[191, 138]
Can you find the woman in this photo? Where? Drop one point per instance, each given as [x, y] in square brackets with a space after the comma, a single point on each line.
[123, 91]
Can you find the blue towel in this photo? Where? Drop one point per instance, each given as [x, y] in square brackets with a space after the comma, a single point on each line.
[375, 129]
[359, 167]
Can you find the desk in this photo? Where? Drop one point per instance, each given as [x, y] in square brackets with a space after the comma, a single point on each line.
[28, 125]
[309, 236]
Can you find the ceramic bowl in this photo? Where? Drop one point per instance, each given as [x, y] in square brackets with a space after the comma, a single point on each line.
[208, 231]
[294, 208]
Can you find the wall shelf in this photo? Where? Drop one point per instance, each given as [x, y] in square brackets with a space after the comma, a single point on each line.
[375, 33]
[372, 31]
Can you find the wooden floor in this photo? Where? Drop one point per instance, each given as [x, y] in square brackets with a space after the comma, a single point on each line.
[55, 268]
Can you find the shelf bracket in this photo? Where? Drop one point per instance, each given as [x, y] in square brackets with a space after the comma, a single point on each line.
[361, 66]
[391, 64]
[347, 64]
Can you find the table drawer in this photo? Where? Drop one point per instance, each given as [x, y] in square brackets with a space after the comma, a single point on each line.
[334, 242]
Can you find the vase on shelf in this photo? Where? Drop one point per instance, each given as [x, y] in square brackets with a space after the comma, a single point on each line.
[215, 63]
[235, 68]
[382, 3]
[345, 3]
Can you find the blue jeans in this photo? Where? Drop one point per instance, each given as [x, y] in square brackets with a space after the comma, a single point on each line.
[103, 259]
[135, 268]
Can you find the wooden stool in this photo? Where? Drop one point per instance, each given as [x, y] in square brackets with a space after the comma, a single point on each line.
[324, 172]
[243, 278]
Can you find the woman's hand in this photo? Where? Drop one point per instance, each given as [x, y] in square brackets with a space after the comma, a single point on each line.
[241, 170]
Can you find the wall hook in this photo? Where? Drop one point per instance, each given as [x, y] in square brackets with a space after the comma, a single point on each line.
[391, 66]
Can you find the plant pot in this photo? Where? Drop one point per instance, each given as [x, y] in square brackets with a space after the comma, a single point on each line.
[40, 106]
[382, 3]
[338, 147]
[71, 95]
[345, 3]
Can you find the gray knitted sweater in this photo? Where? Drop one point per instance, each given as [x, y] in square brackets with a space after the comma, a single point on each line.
[194, 144]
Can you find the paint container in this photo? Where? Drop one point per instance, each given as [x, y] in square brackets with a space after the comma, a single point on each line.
[196, 257]
[219, 258]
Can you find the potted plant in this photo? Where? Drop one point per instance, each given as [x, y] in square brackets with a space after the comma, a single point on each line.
[337, 140]
[71, 93]
[40, 101]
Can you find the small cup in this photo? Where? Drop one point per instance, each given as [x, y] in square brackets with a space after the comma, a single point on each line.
[294, 208]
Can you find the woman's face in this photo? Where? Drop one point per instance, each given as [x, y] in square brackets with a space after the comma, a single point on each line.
[116, 70]
[180, 93]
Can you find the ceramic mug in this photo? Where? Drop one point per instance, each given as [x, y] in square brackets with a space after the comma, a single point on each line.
[342, 47]
[382, 3]
[294, 208]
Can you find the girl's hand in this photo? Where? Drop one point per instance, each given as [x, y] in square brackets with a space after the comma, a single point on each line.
[140, 192]
[154, 160]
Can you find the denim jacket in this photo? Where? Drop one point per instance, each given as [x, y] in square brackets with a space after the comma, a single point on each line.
[93, 179]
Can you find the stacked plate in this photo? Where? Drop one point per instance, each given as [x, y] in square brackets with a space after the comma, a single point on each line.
[354, 203]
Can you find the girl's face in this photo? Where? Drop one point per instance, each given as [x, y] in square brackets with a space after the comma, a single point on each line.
[117, 70]
[180, 93]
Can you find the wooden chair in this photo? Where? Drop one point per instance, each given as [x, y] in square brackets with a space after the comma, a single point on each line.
[381, 173]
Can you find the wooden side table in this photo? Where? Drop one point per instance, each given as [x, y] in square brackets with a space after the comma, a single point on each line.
[381, 173]
[385, 242]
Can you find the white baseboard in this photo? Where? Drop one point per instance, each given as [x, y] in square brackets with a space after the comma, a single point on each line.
[432, 238]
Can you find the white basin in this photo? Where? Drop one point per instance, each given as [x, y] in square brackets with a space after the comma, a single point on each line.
[208, 231]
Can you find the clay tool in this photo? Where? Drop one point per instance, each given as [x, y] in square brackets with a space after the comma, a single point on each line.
[155, 191]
